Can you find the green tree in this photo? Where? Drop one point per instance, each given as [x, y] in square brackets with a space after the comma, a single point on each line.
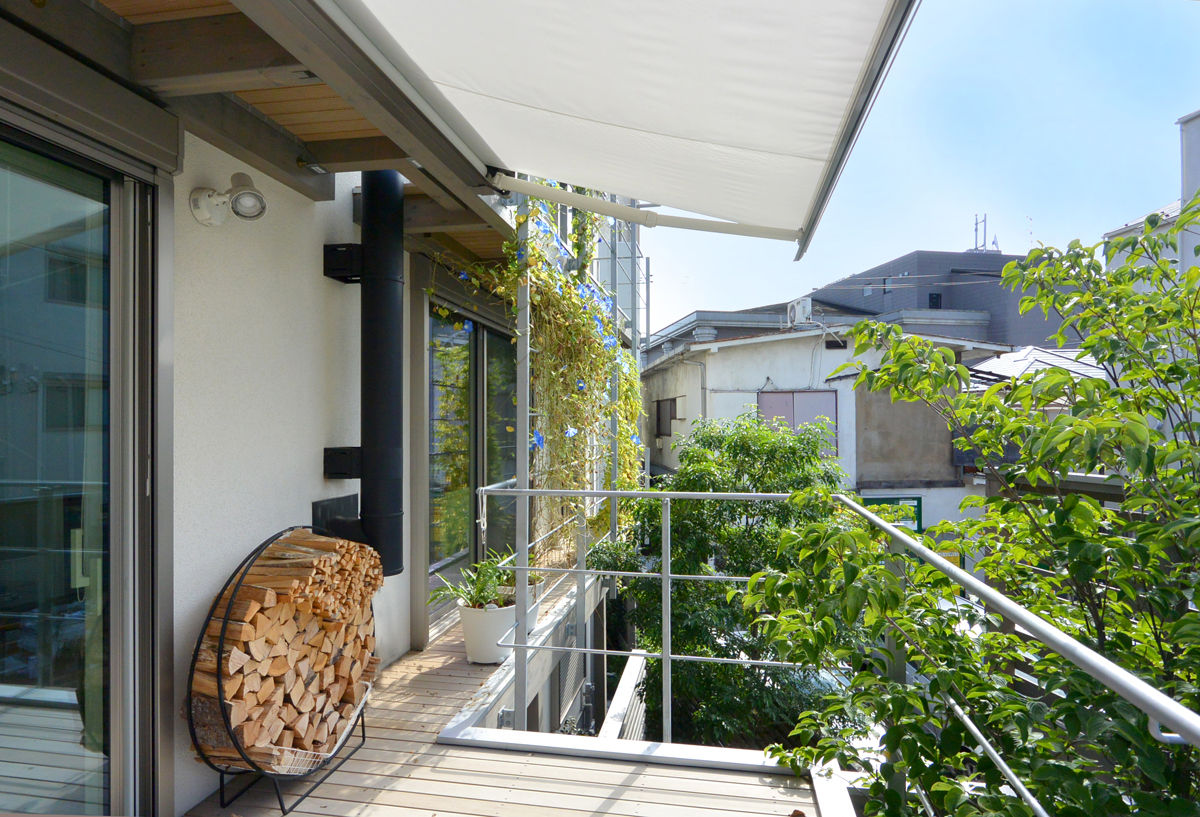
[1119, 577]
[723, 704]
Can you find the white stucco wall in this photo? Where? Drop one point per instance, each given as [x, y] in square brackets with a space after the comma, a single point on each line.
[736, 373]
[266, 376]
[937, 504]
[682, 382]
[1189, 138]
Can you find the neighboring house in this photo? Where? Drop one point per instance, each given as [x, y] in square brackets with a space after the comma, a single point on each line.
[173, 392]
[715, 364]
[1189, 186]
[954, 294]
[898, 451]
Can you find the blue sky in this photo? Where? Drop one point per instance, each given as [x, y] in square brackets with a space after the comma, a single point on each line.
[1054, 117]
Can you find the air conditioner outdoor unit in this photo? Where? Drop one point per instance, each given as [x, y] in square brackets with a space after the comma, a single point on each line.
[799, 311]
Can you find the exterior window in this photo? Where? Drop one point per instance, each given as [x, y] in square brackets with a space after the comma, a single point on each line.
[473, 440]
[65, 404]
[835, 343]
[935, 300]
[58, 595]
[915, 520]
[794, 408]
[66, 278]
[665, 412]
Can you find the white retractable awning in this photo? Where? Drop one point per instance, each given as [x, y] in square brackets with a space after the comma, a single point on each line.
[742, 111]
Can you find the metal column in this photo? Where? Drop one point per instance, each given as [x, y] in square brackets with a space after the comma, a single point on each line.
[646, 476]
[666, 619]
[520, 636]
[614, 423]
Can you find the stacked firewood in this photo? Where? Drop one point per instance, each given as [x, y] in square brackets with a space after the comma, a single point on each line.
[299, 651]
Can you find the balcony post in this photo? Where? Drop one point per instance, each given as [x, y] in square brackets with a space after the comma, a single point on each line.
[666, 619]
[614, 422]
[520, 634]
[896, 654]
[581, 607]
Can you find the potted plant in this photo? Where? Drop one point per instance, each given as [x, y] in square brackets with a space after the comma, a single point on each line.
[537, 588]
[487, 613]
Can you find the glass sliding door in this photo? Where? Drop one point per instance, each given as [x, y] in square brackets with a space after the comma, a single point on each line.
[472, 441]
[451, 415]
[500, 437]
[55, 734]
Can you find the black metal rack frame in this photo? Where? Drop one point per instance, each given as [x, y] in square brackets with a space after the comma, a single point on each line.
[256, 771]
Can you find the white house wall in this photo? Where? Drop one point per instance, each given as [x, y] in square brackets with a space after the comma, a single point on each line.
[937, 504]
[736, 373]
[266, 356]
[1189, 137]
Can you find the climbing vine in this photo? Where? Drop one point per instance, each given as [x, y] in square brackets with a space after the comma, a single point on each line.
[575, 352]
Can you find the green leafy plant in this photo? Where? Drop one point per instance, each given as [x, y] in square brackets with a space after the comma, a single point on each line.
[723, 704]
[480, 585]
[577, 356]
[1119, 576]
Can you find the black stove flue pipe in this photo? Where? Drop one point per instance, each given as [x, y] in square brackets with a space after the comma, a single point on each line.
[382, 316]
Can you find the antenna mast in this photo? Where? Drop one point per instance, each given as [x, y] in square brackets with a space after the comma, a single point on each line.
[982, 221]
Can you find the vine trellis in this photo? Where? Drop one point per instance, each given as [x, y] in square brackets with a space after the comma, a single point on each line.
[576, 352]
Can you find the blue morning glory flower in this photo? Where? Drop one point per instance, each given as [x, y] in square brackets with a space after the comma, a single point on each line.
[463, 276]
[636, 439]
[520, 253]
[468, 325]
[609, 342]
[607, 303]
[582, 290]
[599, 323]
[571, 431]
[558, 287]
[538, 441]
[579, 384]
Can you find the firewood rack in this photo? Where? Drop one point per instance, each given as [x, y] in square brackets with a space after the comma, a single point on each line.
[302, 764]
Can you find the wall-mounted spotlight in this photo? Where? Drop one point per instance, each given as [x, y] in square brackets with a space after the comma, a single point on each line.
[243, 199]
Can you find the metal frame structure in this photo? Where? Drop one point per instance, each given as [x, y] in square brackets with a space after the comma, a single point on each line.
[1159, 707]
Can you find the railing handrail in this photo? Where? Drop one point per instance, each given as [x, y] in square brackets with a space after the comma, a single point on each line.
[1157, 705]
[491, 490]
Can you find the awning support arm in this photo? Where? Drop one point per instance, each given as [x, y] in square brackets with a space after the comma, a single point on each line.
[636, 215]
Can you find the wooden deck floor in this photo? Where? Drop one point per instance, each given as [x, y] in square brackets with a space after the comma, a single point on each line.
[43, 767]
[402, 772]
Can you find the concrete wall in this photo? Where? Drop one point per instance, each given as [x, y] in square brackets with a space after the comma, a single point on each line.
[735, 375]
[900, 442]
[937, 504]
[681, 381]
[266, 353]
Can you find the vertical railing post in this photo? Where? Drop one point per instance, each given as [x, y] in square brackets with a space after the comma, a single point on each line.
[646, 476]
[666, 619]
[614, 422]
[520, 653]
[896, 654]
[581, 611]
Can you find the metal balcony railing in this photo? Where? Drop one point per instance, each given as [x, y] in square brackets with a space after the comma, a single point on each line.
[1159, 708]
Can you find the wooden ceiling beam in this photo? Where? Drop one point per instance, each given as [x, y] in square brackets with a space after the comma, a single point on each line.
[351, 155]
[97, 36]
[304, 28]
[424, 215]
[207, 55]
[230, 126]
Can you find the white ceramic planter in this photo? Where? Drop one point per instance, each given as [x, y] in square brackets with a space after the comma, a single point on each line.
[536, 591]
[482, 628]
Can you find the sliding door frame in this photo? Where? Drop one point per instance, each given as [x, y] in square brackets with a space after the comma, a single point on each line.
[139, 728]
